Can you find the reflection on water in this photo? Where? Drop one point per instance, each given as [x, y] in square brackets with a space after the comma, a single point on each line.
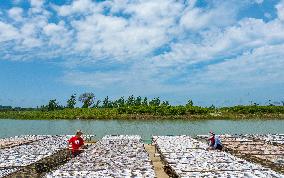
[10, 127]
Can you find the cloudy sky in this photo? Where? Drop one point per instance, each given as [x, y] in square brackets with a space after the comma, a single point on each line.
[212, 51]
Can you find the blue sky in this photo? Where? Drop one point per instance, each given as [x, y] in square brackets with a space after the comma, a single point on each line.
[212, 51]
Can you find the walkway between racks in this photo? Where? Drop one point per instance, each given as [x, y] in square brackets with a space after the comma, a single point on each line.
[156, 160]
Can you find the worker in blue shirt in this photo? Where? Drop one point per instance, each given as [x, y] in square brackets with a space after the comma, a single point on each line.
[215, 142]
[218, 144]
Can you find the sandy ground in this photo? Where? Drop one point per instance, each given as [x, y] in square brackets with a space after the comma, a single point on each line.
[158, 165]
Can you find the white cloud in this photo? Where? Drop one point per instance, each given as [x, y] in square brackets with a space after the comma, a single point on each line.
[157, 12]
[36, 3]
[58, 34]
[8, 32]
[199, 18]
[134, 35]
[150, 25]
[280, 10]
[16, 13]
[262, 65]
[31, 31]
[31, 42]
[36, 6]
[77, 7]
[234, 40]
[122, 38]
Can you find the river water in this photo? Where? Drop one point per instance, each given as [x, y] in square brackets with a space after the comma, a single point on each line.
[11, 127]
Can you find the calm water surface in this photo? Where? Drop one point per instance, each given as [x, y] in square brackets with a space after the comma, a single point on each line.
[11, 127]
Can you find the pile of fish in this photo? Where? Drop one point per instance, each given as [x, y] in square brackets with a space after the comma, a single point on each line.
[19, 140]
[7, 171]
[112, 156]
[12, 159]
[260, 148]
[270, 138]
[188, 157]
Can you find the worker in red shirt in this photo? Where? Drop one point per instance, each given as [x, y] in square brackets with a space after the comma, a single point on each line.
[76, 143]
[214, 142]
[211, 139]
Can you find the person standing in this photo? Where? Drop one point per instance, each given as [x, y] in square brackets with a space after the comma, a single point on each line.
[76, 143]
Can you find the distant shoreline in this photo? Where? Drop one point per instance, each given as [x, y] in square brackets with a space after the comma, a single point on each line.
[158, 113]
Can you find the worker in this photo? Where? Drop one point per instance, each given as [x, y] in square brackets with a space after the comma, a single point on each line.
[215, 142]
[211, 139]
[76, 143]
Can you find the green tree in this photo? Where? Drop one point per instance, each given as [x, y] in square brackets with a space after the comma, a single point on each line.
[130, 101]
[121, 102]
[53, 105]
[189, 103]
[106, 102]
[138, 101]
[7, 108]
[97, 105]
[212, 107]
[43, 107]
[72, 101]
[255, 104]
[165, 103]
[145, 101]
[155, 102]
[87, 99]
[270, 103]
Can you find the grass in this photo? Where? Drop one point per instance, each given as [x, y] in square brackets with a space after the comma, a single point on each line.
[153, 112]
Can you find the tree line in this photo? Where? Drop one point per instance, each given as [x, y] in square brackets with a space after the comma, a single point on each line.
[143, 105]
[88, 100]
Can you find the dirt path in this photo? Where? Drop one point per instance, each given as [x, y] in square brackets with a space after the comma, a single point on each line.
[158, 165]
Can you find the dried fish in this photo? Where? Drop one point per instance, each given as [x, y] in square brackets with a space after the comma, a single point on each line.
[112, 156]
[188, 157]
[25, 154]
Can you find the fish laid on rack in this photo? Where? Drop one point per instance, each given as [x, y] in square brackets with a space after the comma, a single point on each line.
[15, 158]
[112, 156]
[187, 157]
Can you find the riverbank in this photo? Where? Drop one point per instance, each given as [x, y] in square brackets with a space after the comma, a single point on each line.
[160, 114]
